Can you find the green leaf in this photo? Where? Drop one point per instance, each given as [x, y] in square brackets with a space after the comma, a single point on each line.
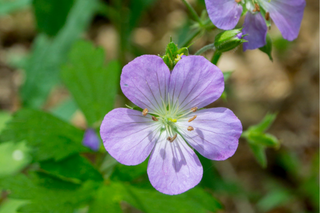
[48, 194]
[13, 158]
[151, 201]
[11, 205]
[268, 47]
[265, 123]
[93, 84]
[227, 75]
[259, 153]
[274, 199]
[9, 6]
[264, 139]
[49, 136]
[107, 199]
[48, 19]
[65, 110]
[42, 70]
[128, 173]
[74, 167]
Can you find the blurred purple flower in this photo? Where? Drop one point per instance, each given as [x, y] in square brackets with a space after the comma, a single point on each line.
[91, 140]
[286, 14]
[170, 119]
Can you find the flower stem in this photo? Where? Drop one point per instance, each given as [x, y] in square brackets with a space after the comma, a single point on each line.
[192, 11]
[215, 58]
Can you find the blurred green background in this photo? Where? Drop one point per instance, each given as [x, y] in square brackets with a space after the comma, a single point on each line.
[60, 62]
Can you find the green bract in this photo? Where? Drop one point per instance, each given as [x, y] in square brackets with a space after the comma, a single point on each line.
[228, 40]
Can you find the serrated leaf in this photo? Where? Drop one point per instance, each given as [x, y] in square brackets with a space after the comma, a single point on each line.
[93, 84]
[48, 194]
[49, 136]
[7, 7]
[47, 18]
[259, 153]
[265, 123]
[74, 167]
[267, 49]
[42, 70]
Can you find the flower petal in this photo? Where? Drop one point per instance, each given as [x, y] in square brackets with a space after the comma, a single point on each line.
[128, 136]
[224, 14]
[195, 82]
[145, 81]
[287, 15]
[216, 132]
[256, 28]
[174, 167]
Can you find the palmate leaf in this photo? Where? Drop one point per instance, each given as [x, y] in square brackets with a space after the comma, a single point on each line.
[149, 200]
[49, 136]
[43, 67]
[48, 194]
[92, 84]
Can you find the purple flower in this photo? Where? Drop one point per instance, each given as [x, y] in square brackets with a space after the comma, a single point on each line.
[170, 126]
[286, 14]
[91, 140]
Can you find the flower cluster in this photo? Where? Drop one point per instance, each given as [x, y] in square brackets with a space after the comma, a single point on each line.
[172, 122]
[286, 14]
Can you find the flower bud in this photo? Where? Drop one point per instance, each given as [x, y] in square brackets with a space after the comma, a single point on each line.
[228, 40]
[91, 140]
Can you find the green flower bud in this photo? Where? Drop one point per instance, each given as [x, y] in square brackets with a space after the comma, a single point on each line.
[228, 40]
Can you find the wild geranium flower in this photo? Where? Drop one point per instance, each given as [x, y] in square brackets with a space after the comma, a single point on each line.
[172, 122]
[286, 14]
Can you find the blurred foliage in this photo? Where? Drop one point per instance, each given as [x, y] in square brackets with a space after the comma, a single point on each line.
[45, 168]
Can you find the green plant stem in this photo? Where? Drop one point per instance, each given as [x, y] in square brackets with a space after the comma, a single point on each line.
[192, 11]
[215, 58]
[190, 38]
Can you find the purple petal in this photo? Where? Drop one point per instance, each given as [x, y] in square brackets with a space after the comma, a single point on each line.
[287, 15]
[195, 82]
[91, 140]
[224, 14]
[145, 80]
[216, 132]
[256, 28]
[128, 136]
[174, 167]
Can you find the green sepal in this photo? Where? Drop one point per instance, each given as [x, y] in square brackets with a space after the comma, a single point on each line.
[228, 40]
[267, 49]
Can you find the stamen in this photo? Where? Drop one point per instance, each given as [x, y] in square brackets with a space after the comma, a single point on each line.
[190, 128]
[191, 119]
[154, 118]
[194, 109]
[172, 139]
[238, 1]
[267, 16]
[257, 7]
[145, 112]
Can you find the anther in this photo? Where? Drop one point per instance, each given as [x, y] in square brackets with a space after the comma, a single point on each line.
[194, 109]
[145, 112]
[267, 16]
[154, 118]
[171, 139]
[191, 119]
[190, 128]
[257, 7]
[238, 1]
